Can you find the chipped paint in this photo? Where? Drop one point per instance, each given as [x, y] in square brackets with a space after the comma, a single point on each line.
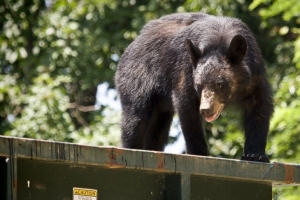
[113, 159]
[289, 174]
[160, 159]
[118, 151]
[39, 186]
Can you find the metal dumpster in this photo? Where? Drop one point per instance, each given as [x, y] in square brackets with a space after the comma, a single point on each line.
[37, 169]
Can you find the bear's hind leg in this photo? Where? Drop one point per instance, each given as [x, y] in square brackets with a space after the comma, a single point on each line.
[134, 126]
[157, 133]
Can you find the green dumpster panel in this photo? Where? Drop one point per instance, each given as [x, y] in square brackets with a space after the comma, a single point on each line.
[203, 187]
[37, 169]
[38, 180]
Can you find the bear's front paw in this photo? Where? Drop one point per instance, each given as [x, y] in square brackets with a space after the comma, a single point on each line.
[255, 157]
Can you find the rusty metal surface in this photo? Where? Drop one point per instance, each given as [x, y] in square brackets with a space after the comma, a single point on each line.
[112, 157]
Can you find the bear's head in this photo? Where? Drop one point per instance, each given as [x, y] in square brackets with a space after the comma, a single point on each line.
[219, 73]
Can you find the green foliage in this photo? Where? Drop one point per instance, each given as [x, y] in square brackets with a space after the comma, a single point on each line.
[288, 9]
[55, 55]
[104, 130]
[285, 124]
[44, 115]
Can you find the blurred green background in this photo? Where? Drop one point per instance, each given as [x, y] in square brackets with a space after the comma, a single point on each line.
[53, 55]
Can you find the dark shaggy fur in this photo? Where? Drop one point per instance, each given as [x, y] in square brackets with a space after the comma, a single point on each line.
[193, 64]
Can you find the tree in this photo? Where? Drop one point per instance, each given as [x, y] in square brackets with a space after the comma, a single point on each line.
[55, 55]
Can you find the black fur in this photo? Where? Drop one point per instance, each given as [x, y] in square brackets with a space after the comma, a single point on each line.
[190, 63]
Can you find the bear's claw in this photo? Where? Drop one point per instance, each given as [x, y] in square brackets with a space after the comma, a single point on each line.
[255, 157]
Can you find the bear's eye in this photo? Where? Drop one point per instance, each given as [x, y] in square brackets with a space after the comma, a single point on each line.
[220, 85]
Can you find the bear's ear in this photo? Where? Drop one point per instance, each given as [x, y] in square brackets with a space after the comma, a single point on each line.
[194, 51]
[237, 49]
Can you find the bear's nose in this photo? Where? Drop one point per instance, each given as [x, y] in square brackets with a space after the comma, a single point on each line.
[206, 112]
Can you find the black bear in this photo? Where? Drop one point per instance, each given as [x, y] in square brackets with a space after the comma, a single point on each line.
[193, 64]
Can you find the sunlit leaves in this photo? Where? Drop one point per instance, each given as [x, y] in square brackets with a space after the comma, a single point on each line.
[55, 55]
[44, 115]
[296, 58]
[278, 7]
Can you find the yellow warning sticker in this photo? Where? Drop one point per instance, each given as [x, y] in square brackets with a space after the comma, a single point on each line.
[84, 194]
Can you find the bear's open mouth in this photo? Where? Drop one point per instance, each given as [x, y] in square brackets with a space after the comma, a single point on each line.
[216, 115]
